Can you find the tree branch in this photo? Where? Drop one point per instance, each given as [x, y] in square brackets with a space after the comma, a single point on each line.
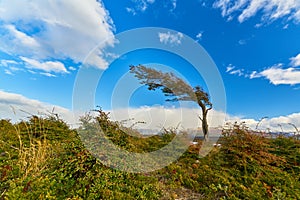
[200, 118]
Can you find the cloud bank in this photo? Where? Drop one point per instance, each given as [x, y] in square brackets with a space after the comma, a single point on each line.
[16, 107]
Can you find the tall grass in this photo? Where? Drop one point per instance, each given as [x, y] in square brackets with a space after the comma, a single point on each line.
[33, 155]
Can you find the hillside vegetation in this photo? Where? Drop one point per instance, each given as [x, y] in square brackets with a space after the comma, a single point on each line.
[42, 158]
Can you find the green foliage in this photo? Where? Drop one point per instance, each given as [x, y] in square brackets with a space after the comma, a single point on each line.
[123, 137]
[248, 165]
[71, 172]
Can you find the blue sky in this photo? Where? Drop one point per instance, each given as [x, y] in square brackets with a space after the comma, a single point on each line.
[255, 45]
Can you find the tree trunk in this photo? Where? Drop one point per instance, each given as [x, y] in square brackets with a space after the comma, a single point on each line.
[205, 126]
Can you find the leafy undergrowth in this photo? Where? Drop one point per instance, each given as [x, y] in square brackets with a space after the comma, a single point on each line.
[42, 158]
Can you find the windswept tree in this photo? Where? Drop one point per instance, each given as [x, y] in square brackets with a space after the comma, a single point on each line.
[175, 89]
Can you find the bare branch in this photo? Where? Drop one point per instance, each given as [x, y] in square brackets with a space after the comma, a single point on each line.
[200, 118]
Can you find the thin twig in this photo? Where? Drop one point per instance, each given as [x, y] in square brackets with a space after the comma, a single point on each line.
[3, 193]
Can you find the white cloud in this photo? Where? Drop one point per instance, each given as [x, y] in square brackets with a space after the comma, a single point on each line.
[16, 107]
[22, 38]
[199, 35]
[254, 74]
[7, 63]
[174, 5]
[49, 30]
[242, 42]
[8, 72]
[258, 25]
[140, 5]
[48, 66]
[273, 124]
[131, 10]
[272, 9]
[12, 106]
[47, 74]
[283, 123]
[32, 72]
[158, 117]
[11, 70]
[229, 68]
[295, 61]
[10, 66]
[169, 38]
[233, 71]
[72, 68]
[97, 59]
[238, 72]
[278, 75]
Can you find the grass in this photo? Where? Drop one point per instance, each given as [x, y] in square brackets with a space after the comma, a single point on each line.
[34, 157]
[42, 158]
